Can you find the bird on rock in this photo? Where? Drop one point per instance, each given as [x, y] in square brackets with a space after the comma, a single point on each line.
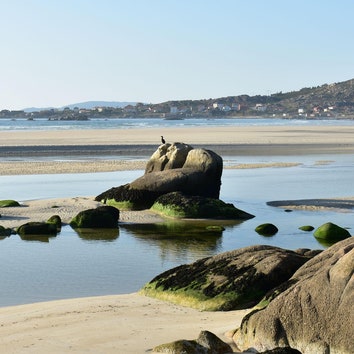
[162, 140]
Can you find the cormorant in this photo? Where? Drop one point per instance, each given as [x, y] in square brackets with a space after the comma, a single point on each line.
[162, 140]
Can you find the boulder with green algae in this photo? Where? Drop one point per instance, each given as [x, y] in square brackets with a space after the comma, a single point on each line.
[56, 220]
[9, 203]
[179, 205]
[331, 232]
[232, 280]
[37, 228]
[206, 343]
[101, 217]
[306, 228]
[266, 229]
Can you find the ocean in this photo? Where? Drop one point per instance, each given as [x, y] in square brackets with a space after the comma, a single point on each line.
[79, 265]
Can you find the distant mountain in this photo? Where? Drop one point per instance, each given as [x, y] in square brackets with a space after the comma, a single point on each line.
[93, 104]
[82, 105]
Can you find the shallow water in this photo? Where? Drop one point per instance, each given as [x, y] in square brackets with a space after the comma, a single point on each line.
[73, 265]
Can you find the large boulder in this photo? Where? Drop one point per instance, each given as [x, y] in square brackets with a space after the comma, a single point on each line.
[315, 312]
[228, 281]
[172, 168]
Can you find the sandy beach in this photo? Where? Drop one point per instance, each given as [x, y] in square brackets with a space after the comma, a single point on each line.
[131, 323]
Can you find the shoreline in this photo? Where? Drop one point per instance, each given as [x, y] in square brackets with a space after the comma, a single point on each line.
[129, 323]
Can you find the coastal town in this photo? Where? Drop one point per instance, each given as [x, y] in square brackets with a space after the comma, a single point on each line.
[329, 101]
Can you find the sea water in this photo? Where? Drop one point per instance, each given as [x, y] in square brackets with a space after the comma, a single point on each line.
[77, 265]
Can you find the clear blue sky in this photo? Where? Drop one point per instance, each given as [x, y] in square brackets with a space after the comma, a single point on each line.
[55, 53]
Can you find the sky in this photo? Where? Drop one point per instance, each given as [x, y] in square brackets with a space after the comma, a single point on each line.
[55, 53]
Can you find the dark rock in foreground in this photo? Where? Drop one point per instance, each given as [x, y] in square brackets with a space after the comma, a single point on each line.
[206, 343]
[101, 217]
[179, 205]
[232, 280]
[314, 314]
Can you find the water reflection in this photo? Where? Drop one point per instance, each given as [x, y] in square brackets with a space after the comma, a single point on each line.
[37, 238]
[181, 237]
[106, 235]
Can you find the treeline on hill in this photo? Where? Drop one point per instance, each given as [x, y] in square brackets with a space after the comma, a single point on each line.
[328, 100]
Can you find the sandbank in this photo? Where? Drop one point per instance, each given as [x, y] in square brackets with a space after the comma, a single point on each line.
[86, 151]
[66, 208]
[130, 323]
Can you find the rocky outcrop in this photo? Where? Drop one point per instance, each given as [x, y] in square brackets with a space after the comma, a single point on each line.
[315, 312]
[172, 168]
[101, 217]
[206, 343]
[228, 281]
[179, 205]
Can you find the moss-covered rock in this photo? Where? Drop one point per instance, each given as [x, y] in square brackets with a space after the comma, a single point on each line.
[5, 231]
[126, 198]
[37, 228]
[179, 205]
[9, 203]
[56, 220]
[266, 229]
[331, 232]
[101, 217]
[206, 343]
[306, 228]
[228, 281]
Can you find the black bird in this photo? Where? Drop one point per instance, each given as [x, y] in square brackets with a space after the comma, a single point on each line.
[162, 140]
